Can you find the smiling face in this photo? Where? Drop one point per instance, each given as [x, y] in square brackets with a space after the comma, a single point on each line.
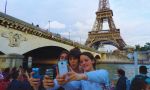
[86, 63]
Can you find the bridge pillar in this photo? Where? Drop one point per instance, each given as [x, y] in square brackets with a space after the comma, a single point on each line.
[103, 56]
[11, 60]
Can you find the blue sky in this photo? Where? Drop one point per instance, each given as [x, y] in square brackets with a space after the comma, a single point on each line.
[78, 16]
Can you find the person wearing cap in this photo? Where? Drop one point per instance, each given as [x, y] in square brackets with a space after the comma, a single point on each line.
[138, 82]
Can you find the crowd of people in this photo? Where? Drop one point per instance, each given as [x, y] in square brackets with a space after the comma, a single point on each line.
[82, 75]
[14, 79]
[139, 82]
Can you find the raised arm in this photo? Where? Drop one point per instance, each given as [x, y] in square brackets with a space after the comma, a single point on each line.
[98, 76]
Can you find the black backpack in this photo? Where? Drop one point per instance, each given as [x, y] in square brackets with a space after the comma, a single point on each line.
[138, 82]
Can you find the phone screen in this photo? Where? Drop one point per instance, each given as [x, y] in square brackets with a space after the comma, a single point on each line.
[62, 67]
[50, 73]
[36, 73]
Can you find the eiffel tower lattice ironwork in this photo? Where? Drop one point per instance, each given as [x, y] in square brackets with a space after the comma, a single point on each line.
[98, 36]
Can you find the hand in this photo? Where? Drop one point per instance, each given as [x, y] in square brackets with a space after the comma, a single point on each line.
[61, 79]
[35, 83]
[47, 82]
[75, 76]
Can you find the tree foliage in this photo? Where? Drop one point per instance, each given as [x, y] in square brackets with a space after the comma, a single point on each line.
[143, 48]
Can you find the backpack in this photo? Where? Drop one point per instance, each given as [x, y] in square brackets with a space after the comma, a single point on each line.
[138, 82]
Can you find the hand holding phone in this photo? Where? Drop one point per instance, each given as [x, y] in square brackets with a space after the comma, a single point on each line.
[62, 67]
[49, 72]
[36, 73]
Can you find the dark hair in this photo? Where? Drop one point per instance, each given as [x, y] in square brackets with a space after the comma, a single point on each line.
[15, 75]
[143, 69]
[91, 57]
[6, 70]
[121, 72]
[75, 52]
[63, 52]
[6, 73]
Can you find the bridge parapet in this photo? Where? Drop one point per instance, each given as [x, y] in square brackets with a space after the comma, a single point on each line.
[122, 62]
[17, 24]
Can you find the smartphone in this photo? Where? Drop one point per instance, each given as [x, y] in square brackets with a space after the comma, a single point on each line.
[62, 67]
[36, 73]
[50, 73]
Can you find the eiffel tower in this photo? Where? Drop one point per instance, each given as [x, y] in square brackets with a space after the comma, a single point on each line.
[99, 37]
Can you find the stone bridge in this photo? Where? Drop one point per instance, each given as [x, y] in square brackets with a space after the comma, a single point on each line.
[19, 39]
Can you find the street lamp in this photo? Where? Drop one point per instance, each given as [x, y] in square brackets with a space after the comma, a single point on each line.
[135, 58]
[49, 26]
[80, 39]
[69, 35]
[5, 6]
[133, 54]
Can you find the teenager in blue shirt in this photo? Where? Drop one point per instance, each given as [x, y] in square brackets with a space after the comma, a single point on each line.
[91, 79]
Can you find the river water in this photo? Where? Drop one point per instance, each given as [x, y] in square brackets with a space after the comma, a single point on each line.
[129, 70]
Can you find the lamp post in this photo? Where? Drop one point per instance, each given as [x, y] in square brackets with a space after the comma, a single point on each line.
[5, 6]
[69, 35]
[49, 23]
[80, 39]
[133, 54]
[135, 58]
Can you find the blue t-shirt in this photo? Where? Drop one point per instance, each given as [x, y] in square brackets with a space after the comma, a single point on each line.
[95, 80]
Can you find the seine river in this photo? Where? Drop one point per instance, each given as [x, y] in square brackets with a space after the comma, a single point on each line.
[112, 69]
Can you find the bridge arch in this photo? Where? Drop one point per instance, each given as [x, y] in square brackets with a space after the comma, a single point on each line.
[97, 57]
[47, 52]
[96, 43]
[43, 56]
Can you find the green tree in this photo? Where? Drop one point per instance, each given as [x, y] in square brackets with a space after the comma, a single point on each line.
[144, 48]
[137, 47]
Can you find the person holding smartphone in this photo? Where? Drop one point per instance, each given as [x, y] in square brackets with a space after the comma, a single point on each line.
[91, 79]
[73, 62]
[36, 82]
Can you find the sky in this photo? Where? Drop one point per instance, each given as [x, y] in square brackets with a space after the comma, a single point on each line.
[74, 18]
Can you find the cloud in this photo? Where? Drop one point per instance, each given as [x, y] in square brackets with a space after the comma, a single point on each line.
[132, 17]
[133, 20]
[55, 25]
[78, 31]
